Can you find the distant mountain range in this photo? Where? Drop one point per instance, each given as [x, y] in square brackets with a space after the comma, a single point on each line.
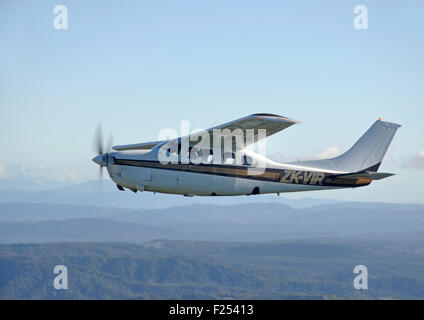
[158, 246]
[97, 211]
[105, 194]
[31, 222]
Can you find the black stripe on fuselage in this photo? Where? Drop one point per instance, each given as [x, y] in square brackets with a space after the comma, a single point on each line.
[302, 177]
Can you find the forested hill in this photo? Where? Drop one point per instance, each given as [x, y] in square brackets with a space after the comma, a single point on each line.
[199, 270]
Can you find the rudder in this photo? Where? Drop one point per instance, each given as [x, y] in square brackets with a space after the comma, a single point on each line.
[365, 155]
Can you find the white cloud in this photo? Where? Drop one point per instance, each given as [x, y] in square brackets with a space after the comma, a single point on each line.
[329, 152]
[64, 175]
[41, 173]
[280, 156]
[416, 161]
[388, 159]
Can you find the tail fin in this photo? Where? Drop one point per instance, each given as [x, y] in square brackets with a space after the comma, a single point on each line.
[365, 155]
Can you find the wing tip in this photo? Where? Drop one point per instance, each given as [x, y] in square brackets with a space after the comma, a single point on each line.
[273, 116]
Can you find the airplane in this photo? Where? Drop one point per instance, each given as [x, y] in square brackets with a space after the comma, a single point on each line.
[188, 167]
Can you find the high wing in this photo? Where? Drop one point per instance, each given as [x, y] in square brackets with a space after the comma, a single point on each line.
[247, 128]
[272, 123]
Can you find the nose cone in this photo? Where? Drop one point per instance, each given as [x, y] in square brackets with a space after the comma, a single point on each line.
[100, 160]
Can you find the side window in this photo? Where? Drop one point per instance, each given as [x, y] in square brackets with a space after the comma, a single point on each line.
[194, 153]
[229, 158]
[207, 155]
[247, 161]
[174, 149]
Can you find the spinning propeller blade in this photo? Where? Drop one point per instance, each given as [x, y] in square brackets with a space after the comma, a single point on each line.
[98, 146]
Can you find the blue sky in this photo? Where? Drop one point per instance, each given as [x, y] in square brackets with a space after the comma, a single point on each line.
[141, 66]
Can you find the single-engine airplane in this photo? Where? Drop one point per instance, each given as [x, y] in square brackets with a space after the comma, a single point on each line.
[209, 167]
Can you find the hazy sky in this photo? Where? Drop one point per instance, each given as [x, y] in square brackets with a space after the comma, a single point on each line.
[141, 66]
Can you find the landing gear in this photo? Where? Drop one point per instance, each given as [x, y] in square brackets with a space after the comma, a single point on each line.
[255, 190]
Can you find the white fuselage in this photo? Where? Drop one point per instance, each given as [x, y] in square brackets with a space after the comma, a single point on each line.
[142, 171]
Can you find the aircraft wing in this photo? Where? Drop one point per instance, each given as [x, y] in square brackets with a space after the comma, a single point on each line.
[270, 122]
[241, 127]
[137, 146]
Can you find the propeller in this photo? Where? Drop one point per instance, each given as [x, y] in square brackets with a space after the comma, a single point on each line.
[102, 157]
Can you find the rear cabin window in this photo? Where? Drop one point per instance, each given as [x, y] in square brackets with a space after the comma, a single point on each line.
[247, 161]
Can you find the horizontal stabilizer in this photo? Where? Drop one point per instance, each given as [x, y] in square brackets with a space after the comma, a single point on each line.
[364, 175]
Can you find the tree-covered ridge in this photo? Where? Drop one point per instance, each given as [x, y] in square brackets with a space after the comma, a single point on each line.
[209, 270]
